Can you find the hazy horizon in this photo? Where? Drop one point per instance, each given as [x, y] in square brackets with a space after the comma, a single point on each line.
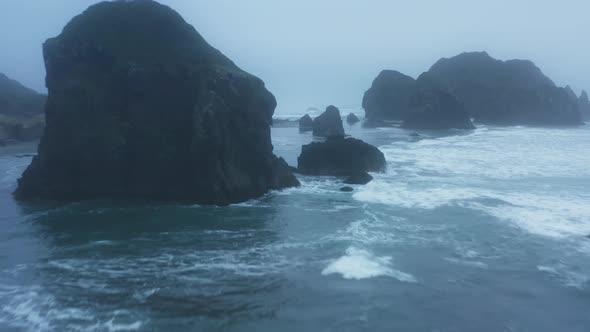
[314, 54]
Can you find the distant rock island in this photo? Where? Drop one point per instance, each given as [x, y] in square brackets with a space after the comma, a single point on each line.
[21, 112]
[584, 103]
[425, 103]
[433, 107]
[513, 92]
[141, 106]
[389, 96]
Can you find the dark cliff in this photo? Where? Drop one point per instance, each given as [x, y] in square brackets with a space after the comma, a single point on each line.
[141, 106]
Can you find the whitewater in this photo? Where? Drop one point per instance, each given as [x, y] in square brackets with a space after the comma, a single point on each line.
[483, 230]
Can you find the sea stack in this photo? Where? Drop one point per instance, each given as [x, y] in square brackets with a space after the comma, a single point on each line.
[305, 123]
[329, 123]
[352, 119]
[584, 103]
[389, 96]
[433, 107]
[141, 106]
[339, 156]
[513, 92]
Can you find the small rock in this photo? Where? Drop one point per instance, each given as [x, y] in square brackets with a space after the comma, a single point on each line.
[352, 119]
[340, 157]
[359, 178]
[346, 189]
[305, 123]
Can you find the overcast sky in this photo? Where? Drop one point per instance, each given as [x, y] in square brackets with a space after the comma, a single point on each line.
[319, 52]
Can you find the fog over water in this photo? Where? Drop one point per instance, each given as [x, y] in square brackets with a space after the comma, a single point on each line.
[313, 53]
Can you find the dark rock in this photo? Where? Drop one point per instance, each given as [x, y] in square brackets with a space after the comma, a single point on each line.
[306, 123]
[389, 96]
[513, 92]
[352, 119]
[329, 123]
[432, 107]
[359, 178]
[340, 157]
[141, 106]
[347, 189]
[584, 106]
[21, 112]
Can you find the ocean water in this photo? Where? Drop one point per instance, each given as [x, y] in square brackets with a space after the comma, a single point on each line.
[467, 231]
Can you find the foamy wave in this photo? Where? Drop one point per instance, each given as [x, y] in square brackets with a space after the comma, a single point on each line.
[390, 192]
[361, 264]
[31, 308]
[497, 154]
[14, 169]
[566, 276]
[543, 214]
[477, 264]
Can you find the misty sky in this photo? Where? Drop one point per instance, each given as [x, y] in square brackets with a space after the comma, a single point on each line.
[314, 53]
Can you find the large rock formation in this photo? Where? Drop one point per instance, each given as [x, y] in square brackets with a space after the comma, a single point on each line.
[141, 106]
[21, 112]
[513, 92]
[329, 123]
[584, 106]
[389, 96]
[340, 157]
[432, 107]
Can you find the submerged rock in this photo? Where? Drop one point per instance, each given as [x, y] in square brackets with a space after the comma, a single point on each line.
[432, 107]
[340, 157]
[329, 123]
[141, 106]
[347, 189]
[389, 96]
[21, 112]
[305, 123]
[513, 92]
[359, 178]
[352, 119]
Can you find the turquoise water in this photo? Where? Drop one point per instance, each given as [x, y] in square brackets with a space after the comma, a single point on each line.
[467, 231]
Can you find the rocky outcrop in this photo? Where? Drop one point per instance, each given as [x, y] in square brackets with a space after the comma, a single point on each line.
[329, 123]
[305, 123]
[352, 119]
[21, 112]
[141, 106]
[389, 96]
[340, 157]
[432, 107]
[513, 92]
[584, 105]
[359, 178]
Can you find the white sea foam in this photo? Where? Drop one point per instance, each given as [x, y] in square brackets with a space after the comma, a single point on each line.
[566, 276]
[361, 264]
[14, 167]
[500, 172]
[477, 264]
[546, 214]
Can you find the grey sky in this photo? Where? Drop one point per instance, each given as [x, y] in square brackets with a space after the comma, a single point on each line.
[313, 53]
